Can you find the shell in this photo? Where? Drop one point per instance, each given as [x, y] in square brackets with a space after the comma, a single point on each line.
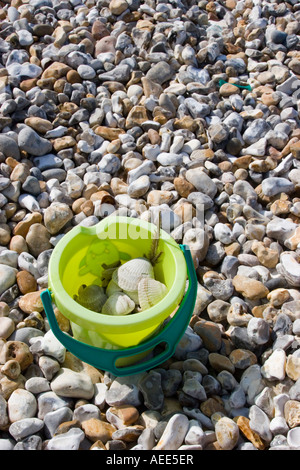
[133, 295]
[118, 304]
[92, 297]
[112, 287]
[129, 274]
[150, 292]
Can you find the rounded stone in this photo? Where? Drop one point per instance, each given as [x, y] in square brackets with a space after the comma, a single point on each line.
[26, 282]
[21, 405]
[33, 143]
[210, 334]
[16, 350]
[31, 302]
[9, 147]
[219, 363]
[25, 427]
[96, 430]
[38, 239]
[7, 327]
[227, 433]
[174, 433]
[68, 383]
[56, 216]
[7, 277]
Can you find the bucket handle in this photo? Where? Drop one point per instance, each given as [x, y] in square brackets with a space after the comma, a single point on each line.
[170, 334]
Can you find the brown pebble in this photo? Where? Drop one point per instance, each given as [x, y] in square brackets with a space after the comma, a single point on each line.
[76, 206]
[210, 334]
[219, 362]
[66, 426]
[56, 70]
[26, 85]
[292, 413]
[98, 445]
[38, 239]
[31, 302]
[211, 406]
[39, 124]
[183, 187]
[249, 288]
[242, 358]
[73, 77]
[18, 244]
[4, 234]
[108, 133]
[4, 309]
[26, 282]
[99, 30]
[22, 227]
[244, 426]
[96, 430]
[87, 208]
[16, 350]
[228, 89]
[11, 369]
[103, 197]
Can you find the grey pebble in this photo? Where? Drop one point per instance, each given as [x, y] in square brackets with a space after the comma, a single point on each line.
[25, 427]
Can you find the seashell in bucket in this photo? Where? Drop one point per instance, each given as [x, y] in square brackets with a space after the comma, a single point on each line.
[118, 304]
[129, 274]
[92, 297]
[150, 292]
[112, 287]
[133, 295]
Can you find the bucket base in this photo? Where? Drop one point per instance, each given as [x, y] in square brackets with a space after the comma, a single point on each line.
[94, 339]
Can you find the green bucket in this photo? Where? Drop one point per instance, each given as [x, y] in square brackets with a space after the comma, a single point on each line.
[118, 344]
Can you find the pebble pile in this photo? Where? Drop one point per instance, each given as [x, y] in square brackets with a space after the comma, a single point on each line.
[115, 107]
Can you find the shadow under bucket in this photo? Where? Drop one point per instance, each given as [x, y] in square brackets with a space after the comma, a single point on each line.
[118, 343]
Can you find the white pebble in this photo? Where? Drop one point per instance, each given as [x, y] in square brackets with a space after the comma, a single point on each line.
[21, 404]
[174, 433]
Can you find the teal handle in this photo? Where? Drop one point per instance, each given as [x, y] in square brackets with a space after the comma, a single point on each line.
[105, 359]
[245, 87]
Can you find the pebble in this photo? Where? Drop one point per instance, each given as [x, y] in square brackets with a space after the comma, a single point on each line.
[53, 419]
[25, 427]
[67, 441]
[274, 367]
[95, 429]
[259, 423]
[7, 276]
[174, 433]
[72, 384]
[56, 216]
[33, 143]
[227, 433]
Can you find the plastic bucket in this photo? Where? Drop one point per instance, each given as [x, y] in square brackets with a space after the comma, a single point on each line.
[117, 343]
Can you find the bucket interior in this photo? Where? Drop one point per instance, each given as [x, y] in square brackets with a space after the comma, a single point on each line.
[78, 259]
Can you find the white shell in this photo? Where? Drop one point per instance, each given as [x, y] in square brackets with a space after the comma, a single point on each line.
[134, 295]
[118, 304]
[150, 292]
[112, 287]
[129, 274]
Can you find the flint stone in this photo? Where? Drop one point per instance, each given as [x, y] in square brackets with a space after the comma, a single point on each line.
[31, 142]
[9, 147]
